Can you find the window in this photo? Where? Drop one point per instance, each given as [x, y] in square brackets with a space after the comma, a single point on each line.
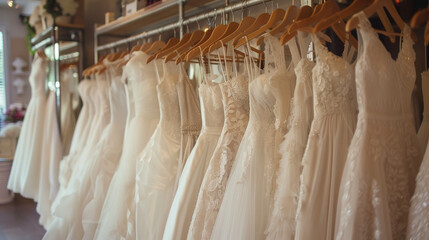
[3, 106]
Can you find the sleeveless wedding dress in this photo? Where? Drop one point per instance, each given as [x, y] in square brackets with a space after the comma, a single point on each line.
[158, 164]
[332, 129]
[246, 204]
[68, 205]
[282, 219]
[25, 173]
[51, 156]
[423, 133]
[107, 154]
[143, 117]
[384, 156]
[182, 207]
[235, 97]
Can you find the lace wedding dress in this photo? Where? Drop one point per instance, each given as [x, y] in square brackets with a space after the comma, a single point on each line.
[384, 156]
[143, 117]
[182, 207]
[332, 129]
[246, 204]
[423, 133]
[25, 173]
[282, 219]
[235, 99]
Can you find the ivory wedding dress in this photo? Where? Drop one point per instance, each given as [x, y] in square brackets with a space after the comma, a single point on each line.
[423, 133]
[384, 156]
[182, 207]
[107, 154]
[143, 117]
[157, 168]
[246, 204]
[68, 205]
[235, 99]
[24, 177]
[52, 154]
[332, 129]
[282, 219]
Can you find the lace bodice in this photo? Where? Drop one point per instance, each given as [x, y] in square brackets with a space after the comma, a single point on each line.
[168, 98]
[37, 76]
[386, 89]
[333, 83]
[211, 106]
[143, 80]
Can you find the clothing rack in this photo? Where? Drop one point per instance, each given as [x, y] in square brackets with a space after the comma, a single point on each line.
[182, 22]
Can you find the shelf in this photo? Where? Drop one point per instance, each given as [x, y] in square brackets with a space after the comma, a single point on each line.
[63, 32]
[167, 10]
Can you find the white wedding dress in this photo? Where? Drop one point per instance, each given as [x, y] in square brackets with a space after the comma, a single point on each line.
[384, 156]
[423, 133]
[333, 126]
[157, 168]
[143, 117]
[235, 97]
[67, 208]
[182, 207]
[24, 177]
[246, 204]
[282, 219]
[107, 154]
[52, 154]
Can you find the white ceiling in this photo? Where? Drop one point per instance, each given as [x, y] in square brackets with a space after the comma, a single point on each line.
[26, 6]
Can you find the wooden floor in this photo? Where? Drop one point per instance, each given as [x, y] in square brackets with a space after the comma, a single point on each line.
[20, 221]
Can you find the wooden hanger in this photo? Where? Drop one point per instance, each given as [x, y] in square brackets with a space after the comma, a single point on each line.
[156, 46]
[261, 20]
[244, 24]
[182, 46]
[217, 33]
[87, 71]
[171, 44]
[231, 28]
[145, 46]
[377, 7]
[186, 49]
[355, 7]
[327, 9]
[290, 15]
[275, 17]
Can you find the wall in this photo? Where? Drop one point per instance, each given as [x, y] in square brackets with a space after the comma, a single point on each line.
[15, 47]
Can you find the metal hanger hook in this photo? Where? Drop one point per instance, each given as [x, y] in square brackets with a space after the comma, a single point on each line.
[266, 7]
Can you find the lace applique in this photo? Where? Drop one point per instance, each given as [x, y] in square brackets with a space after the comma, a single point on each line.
[235, 97]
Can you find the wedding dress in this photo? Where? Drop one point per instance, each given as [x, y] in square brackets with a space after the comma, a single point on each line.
[158, 165]
[282, 219]
[190, 116]
[332, 129]
[384, 156]
[107, 155]
[423, 133]
[235, 99]
[245, 207]
[68, 208]
[143, 117]
[52, 154]
[182, 207]
[25, 173]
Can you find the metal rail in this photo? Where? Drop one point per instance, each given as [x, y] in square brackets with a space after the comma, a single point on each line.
[180, 24]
